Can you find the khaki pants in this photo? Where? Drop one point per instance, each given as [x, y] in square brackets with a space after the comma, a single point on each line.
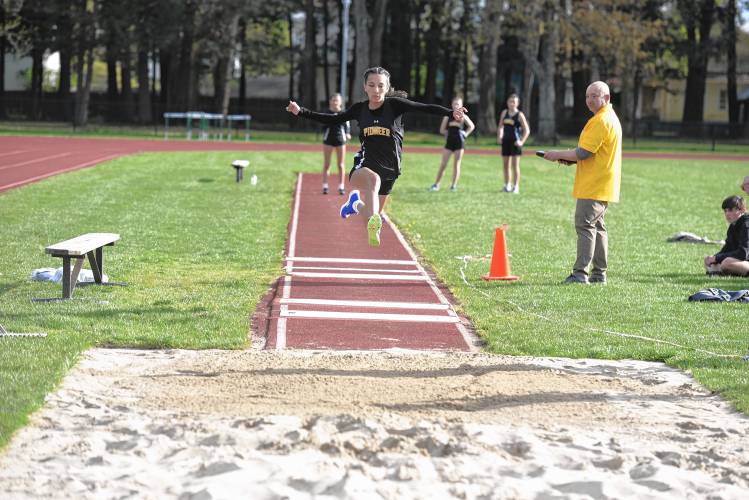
[592, 240]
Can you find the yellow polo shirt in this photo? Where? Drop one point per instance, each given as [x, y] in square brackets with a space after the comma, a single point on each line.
[599, 177]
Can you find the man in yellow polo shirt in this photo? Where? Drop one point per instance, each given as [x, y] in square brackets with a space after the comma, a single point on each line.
[599, 169]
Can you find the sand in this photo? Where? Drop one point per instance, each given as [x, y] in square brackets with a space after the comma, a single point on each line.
[297, 425]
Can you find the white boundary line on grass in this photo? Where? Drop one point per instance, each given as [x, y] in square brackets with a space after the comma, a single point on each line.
[583, 327]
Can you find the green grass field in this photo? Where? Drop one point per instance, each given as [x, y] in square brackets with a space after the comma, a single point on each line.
[199, 250]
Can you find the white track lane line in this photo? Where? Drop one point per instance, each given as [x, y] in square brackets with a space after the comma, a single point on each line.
[313, 268]
[16, 152]
[368, 303]
[352, 261]
[50, 174]
[417, 318]
[362, 276]
[35, 160]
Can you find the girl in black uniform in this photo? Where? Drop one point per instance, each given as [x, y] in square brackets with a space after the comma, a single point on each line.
[334, 137]
[512, 132]
[455, 133]
[378, 163]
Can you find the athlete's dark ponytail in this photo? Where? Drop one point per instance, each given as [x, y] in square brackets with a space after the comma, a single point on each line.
[377, 70]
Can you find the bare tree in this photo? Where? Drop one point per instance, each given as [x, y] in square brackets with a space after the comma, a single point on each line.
[697, 16]
[368, 27]
[488, 42]
[540, 25]
[729, 41]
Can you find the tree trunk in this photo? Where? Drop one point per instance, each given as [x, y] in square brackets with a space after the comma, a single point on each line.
[486, 120]
[183, 86]
[697, 59]
[377, 27]
[144, 91]
[37, 77]
[309, 58]
[63, 89]
[165, 80]
[2, 61]
[450, 69]
[547, 122]
[361, 28]
[729, 32]
[113, 92]
[83, 88]
[225, 67]
[433, 52]
[126, 86]
[580, 81]
[291, 58]
[242, 42]
[325, 48]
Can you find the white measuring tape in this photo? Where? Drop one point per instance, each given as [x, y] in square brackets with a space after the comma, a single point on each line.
[3, 333]
[466, 258]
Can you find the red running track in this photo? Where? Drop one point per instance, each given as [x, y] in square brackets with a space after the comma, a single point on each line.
[25, 159]
[28, 159]
[340, 293]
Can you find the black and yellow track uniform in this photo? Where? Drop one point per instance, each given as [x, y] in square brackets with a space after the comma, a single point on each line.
[380, 134]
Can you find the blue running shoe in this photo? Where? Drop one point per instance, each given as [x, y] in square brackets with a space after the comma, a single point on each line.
[351, 207]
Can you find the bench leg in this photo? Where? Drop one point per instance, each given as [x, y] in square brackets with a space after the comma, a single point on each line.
[70, 278]
[95, 260]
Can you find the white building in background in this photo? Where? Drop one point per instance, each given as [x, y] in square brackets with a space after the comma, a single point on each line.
[18, 69]
[15, 72]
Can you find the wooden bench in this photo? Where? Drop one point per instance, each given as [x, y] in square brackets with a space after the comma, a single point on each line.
[89, 245]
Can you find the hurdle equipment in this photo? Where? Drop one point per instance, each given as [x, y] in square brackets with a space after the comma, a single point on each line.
[239, 166]
[500, 264]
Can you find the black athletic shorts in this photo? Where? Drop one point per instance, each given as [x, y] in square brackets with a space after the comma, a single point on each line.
[510, 149]
[387, 180]
[334, 140]
[455, 142]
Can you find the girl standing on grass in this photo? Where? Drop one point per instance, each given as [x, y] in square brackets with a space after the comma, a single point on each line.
[377, 165]
[455, 133]
[512, 132]
[334, 138]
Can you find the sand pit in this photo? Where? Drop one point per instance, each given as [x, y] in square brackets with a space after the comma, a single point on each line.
[218, 424]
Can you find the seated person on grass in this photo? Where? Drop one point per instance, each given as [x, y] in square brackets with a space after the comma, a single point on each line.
[734, 256]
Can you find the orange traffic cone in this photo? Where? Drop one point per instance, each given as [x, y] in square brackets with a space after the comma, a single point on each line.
[500, 265]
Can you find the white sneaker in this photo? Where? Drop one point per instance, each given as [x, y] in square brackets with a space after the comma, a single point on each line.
[516, 189]
[434, 187]
[507, 188]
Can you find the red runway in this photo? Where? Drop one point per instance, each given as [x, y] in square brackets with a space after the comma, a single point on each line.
[340, 293]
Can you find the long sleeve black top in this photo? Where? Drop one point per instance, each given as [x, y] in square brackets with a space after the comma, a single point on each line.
[737, 241]
[380, 130]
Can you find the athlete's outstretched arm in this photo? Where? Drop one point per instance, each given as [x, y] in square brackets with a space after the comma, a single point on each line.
[324, 118]
[401, 105]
